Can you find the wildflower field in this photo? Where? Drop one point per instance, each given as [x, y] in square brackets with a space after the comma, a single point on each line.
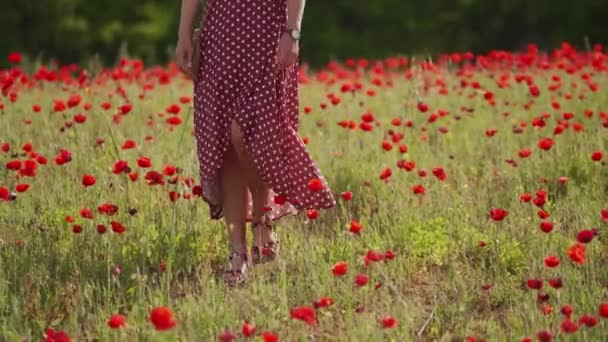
[472, 206]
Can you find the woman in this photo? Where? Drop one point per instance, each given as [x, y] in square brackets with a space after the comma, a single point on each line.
[253, 165]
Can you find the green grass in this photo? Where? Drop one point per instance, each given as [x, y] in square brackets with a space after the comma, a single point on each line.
[51, 277]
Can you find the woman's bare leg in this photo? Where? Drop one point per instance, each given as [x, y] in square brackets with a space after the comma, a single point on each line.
[259, 190]
[234, 190]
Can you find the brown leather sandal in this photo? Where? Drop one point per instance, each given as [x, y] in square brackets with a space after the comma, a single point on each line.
[236, 277]
[268, 251]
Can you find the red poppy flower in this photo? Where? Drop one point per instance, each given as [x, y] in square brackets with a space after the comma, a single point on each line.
[120, 167]
[545, 144]
[543, 214]
[169, 170]
[56, 336]
[173, 196]
[386, 145]
[268, 336]
[389, 322]
[59, 106]
[154, 178]
[173, 109]
[315, 185]
[566, 310]
[304, 313]
[80, 118]
[13, 165]
[133, 176]
[117, 227]
[347, 195]
[14, 57]
[323, 302]
[439, 173]
[162, 318]
[88, 180]
[101, 229]
[129, 144]
[340, 269]
[597, 156]
[144, 162]
[588, 321]
[355, 227]
[389, 255]
[585, 236]
[368, 117]
[546, 226]
[117, 321]
[422, 107]
[64, 157]
[577, 253]
[77, 229]
[544, 336]
[604, 215]
[86, 213]
[227, 336]
[498, 214]
[535, 283]
[534, 91]
[418, 189]
[372, 256]
[386, 173]
[556, 283]
[107, 209]
[312, 214]
[361, 279]
[125, 108]
[552, 261]
[174, 120]
[22, 187]
[568, 326]
[525, 197]
[248, 329]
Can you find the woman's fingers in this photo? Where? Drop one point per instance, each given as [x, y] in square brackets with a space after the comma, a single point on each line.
[286, 59]
[183, 57]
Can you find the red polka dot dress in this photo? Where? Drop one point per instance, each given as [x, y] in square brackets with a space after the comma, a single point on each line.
[239, 80]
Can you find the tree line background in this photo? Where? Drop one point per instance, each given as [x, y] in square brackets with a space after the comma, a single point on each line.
[78, 30]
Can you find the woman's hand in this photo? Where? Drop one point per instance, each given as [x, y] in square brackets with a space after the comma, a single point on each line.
[288, 51]
[183, 55]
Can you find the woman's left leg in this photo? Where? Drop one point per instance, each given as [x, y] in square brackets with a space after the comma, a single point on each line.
[262, 232]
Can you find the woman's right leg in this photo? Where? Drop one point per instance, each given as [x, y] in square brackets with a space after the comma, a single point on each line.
[234, 191]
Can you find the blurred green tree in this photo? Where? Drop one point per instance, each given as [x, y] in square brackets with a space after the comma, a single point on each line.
[77, 30]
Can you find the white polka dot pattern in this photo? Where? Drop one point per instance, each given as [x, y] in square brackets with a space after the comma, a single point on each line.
[239, 81]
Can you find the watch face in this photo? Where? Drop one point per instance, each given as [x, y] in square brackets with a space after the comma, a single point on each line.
[295, 34]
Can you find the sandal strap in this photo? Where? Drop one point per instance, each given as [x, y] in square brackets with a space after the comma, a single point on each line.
[255, 224]
[241, 254]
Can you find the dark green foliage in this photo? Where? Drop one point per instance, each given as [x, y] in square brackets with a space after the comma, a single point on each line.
[75, 30]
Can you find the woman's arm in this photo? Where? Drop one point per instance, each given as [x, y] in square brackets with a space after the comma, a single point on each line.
[295, 12]
[183, 51]
[189, 10]
[289, 48]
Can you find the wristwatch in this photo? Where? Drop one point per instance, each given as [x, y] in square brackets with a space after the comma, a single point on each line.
[294, 34]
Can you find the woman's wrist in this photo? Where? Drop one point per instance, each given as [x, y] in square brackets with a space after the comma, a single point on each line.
[293, 26]
[184, 34]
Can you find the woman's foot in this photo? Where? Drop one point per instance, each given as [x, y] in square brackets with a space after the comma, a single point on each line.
[237, 273]
[265, 242]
